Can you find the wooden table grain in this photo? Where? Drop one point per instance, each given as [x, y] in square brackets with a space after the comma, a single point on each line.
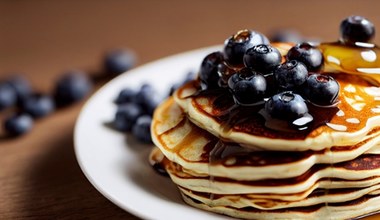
[39, 175]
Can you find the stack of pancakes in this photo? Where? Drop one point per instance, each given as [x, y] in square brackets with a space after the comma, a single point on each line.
[226, 160]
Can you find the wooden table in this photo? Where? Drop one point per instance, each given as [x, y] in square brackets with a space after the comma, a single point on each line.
[39, 175]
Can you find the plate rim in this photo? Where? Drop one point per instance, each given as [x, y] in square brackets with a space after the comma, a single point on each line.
[98, 93]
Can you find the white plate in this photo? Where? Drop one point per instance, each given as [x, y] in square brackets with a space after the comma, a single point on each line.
[118, 166]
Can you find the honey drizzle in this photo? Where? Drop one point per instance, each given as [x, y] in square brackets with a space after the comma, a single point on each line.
[361, 60]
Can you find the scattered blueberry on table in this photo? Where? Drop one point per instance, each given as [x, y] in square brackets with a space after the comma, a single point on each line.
[18, 124]
[21, 86]
[27, 105]
[118, 61]
[71, 87]
[38, 105]
[8, 96]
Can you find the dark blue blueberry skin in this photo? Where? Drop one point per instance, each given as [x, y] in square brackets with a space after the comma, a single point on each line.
[208, 73]
[262, 58]
[286, 106]
[126, 95]
[119, 61]
[141, 129]
[148, 98]
[308, 55]
[21, 86]
[321, 89]
[225, 72]
[247, 87]
[8, 96]
[356, 29]
[18, 124]
[126, 116]
[290, 75]
[38, 105]
[72, 87]
[239, 43]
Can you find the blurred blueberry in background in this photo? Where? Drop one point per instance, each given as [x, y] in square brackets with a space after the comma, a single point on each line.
[8, 96]
[71, 87]
[38, 105]
[119, 61]
[18, 124]
[21, 86]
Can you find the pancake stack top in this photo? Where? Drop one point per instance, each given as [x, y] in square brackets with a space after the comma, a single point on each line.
[278, 131]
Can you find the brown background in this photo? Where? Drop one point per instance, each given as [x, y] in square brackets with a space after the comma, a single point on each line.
[39, 175]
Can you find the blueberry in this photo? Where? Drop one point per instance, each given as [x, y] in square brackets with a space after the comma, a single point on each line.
[308, 55]
[321, 89]
[119, 61]
[126, 116]
[126, 95]
[247, 87]
[238, 44]
[208, 73]
[287, 106]
[38, 105]
[72, 87]
[141, 129]
[21, 86]
[356, 29]
[225, 72]
[18, 124]
[290, 75]
[262, 58]
[8, 96]
[148, 98]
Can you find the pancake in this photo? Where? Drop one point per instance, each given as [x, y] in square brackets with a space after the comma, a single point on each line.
[246, 200]
[192, 147]
[237, 160]
[346, 210]
[327, 176]
[177, 173]
[357, 115]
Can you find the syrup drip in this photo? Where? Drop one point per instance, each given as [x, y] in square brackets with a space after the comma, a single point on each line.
[362, 59]
[251, 119]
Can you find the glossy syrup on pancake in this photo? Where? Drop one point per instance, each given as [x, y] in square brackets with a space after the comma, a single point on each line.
[359, 101]
[358, 97]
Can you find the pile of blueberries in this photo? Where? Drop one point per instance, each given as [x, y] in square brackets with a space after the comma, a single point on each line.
[254, 72]
[25, 105]
[135, 109]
